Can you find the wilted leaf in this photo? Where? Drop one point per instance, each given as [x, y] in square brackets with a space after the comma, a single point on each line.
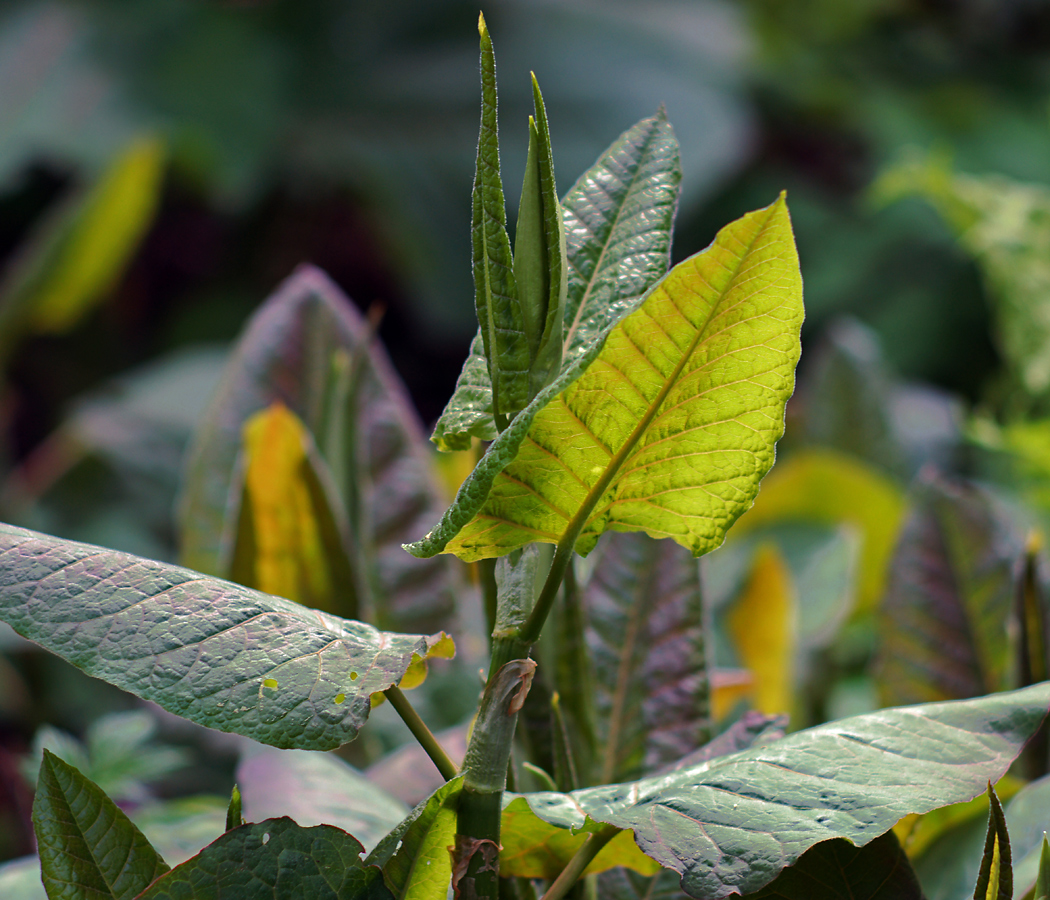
[670, 421]
[731, 824]
[944, 619]
[290, 353]
[645, 630]
[219, 654]
[88, 846]
[275, 859]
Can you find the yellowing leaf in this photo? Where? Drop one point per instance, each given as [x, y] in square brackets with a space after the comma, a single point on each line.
[830, 488]
[763, 627]
[728, 688]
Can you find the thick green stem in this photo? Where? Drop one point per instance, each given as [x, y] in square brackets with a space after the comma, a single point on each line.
[580, 860]
[421, 733]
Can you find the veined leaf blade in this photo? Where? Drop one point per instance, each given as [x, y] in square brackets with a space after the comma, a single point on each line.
[214, 652]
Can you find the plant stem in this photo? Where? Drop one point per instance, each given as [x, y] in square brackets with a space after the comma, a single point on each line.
[421, 733]
[580, 860]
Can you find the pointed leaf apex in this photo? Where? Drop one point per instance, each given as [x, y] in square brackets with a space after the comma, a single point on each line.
[483, 29]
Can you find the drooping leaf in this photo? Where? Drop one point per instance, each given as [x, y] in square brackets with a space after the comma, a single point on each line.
[214, 652]
[87, 845]
[837, 870]
[292, 533]
[315, 789]
[763, 623]
[995, 879]
[666, 426]
[289, 353]
[617, 220]
[645, 631]
[950, 596]
[732, 824]
[278, 859]
[829, 488]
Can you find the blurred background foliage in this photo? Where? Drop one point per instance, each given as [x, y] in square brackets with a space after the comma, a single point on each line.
[164, 164]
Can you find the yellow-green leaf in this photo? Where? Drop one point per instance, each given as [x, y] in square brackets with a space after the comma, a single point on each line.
[667, 426]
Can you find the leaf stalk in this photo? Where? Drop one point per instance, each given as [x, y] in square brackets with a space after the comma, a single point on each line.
[580, 860]
[421, 733]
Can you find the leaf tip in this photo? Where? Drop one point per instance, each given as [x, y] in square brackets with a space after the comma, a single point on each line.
[483, 29]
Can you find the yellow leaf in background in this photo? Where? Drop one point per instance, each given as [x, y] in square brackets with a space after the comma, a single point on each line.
[101, 235]
[762, 625]
[830, 488]
[728, 688]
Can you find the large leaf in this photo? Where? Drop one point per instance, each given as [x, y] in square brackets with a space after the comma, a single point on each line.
[287, 354]
[732, 824]
[666, 426]
[618, 218]
[214, 652]
[645, 630]
[88, 846]
[277, 859]
[950, 597]
[315, 789]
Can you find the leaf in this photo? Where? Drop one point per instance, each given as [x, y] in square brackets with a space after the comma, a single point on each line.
[950, 596]
[532, 848]
[836, 870]
[214, 652]
[278, 859]
[670, 420]
[1042, 883]
[500, 315]
[762, 624]
[179, 828]
[995, 880]
[292, 536]
[732, 824]
[829, 488]
[617, 220]
[314, 789]
[87, 845]
[288, 353]
[645, 631]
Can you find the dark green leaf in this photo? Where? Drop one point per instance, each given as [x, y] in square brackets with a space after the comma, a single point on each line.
[645, 630]
[995, 879]
[731, 824]
[274, 859]
[212, 651]
[837, 870]
[950, 595]
[88, 846]
[290, 353]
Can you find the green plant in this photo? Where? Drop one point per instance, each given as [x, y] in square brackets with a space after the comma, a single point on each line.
[618, 397]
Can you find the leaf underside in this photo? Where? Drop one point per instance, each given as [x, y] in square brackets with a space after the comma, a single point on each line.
[209, 650]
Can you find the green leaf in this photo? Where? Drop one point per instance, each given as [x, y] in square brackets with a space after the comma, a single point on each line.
[290, 353]
[617, 221]
[500, 316]
[995, 880]
[277, 859]
[950, 596]
[733, 823]
[314, 789]
[667, 424]
[837, 870]
[1042, 883]
[88, 846]
[646, 636]
[214, 652]
[235, 811]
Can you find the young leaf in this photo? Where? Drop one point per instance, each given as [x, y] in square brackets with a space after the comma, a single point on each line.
[733, 823]
[87, 845]
[617, 221]
[666, 426]
[646, 636]
[275, 858]
[314, 789]
[1042, 882]
[995, 880]
[500, 315]
[235, 812]
[289, 353]
[951, 593]
[214, 652]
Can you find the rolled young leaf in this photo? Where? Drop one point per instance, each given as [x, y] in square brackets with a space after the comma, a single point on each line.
[1042, 883]
[214, 652]
[995, 879]
[666, 425]
[88, 846]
